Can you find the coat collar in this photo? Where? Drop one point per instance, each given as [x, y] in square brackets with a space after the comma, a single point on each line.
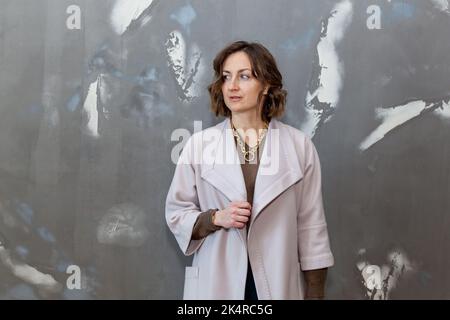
[278, 169]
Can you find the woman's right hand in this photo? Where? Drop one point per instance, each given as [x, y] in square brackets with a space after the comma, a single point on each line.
[236, 215]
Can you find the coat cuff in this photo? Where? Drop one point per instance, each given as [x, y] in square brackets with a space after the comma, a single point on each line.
[317, 262]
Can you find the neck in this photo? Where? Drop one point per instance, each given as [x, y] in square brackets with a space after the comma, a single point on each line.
[249, 127]
[247, 121]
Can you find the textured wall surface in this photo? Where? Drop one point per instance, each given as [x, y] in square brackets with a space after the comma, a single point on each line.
[92, 94]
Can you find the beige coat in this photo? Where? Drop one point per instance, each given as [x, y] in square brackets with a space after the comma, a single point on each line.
[288, 231]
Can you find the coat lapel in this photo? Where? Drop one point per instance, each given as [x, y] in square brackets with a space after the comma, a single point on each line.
[225, 173]
[279, 167]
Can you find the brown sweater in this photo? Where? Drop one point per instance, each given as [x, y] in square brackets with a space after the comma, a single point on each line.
[315, 279]
[204, 226]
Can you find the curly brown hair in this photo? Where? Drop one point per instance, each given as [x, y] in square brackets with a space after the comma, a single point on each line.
[264, 68]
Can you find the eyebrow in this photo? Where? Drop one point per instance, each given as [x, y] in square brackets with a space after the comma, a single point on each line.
[238, 70]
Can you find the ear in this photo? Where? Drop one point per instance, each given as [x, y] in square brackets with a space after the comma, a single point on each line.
[266, 90]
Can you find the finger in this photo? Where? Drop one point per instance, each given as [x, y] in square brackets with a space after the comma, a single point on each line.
[242, 219]
[243, 212]
[242, 204]
[239, 225]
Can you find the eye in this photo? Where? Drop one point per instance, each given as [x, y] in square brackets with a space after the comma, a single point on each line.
[225, 76]
[245, 76]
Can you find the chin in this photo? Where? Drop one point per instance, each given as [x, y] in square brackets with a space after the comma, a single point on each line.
[239, 109]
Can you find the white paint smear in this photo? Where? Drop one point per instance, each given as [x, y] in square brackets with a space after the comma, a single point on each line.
[126, 11]
[441, 5]
[331, 73]
[311, 121]
[399, 265]
[45, 282]
[186, 64]
[90, 108]
[443, 112]
[123, 225]
[378, 280]
[104, 95]
[176, 49]
[398, 115]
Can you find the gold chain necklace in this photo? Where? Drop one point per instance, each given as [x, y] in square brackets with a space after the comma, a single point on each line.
[250, 154]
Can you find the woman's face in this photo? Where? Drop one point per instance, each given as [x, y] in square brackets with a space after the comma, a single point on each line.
[240, 88]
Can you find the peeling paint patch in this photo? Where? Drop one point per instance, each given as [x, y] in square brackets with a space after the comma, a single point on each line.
[184, 16]
[378, 280]
[327, 77]
[392, 117]
[123, 225]
[91, 110]
[126, 13]
[185, 64]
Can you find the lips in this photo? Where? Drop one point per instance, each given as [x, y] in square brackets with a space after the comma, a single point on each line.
[235, 98]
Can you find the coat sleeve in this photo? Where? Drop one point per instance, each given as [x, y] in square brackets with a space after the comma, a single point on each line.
[182, 205]
[313, 241]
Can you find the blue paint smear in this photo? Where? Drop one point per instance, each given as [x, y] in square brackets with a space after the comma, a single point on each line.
[46, 235]
[35, 109]
[99, 62]
[92, 270]
[20, 292]
[184, 16]
[425, 278]
[147, 76]
[403, 10]
[74, 102]
[304, 41]
[25, 213]
[62, 264]
[76, 294]
[117, 73]
[22, 252]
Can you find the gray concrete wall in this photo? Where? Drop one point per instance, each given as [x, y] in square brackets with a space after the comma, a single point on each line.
[91, 92]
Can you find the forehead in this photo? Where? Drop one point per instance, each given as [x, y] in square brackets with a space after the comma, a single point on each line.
[237, 61]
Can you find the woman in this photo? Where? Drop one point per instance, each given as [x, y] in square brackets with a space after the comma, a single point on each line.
[246, 194]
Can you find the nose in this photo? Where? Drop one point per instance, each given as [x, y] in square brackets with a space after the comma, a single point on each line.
[233, 84]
